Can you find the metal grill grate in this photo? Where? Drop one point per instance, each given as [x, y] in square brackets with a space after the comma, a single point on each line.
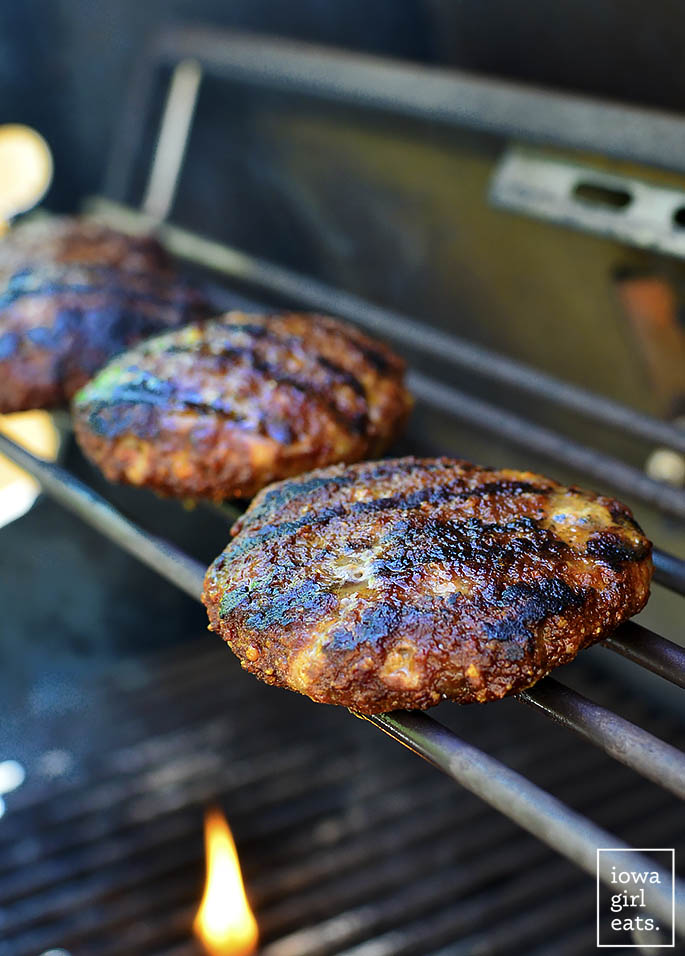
[348, 844]
[374, 896]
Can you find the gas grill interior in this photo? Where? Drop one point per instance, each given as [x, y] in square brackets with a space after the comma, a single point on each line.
[318, 180]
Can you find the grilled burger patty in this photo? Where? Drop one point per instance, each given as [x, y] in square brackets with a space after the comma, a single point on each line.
[221, 409]
[72, 296]
[68, 240]
[395, 584]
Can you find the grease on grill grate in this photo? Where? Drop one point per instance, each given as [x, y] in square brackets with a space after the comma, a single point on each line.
[349, 845]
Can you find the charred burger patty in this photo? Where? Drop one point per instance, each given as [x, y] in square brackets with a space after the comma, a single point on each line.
[396, 584]
[72, 241]
[72, 295]
[221, 409]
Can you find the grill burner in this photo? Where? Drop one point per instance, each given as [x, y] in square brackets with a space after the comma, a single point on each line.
[348, 843]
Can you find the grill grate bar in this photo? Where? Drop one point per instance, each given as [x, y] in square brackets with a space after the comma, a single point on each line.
[534, 809]
[96, 841]
[186, 573]
[266, 276]
[624, 741]
[113, 843]
[536, 438]
[409, 878]
[669, 570]
[512, 794]
[620, 738]
[186, 949]
[574, 942]
[77, 829]
[146, 859]
[202, 726]
[411, 828]
[649, 650]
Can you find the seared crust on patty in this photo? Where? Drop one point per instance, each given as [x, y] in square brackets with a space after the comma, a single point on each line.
[73, 295]
[396, 584]
[221, 409]
[67, 240]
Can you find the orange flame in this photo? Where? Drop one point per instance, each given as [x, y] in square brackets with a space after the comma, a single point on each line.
[224, 923]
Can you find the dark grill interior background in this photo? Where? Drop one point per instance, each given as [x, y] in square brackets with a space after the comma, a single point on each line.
[129, 718]
[65, 66]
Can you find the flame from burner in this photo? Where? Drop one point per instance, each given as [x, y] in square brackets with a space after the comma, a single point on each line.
[224, 924]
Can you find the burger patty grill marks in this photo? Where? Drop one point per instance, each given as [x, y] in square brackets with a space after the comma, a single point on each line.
[324, 393]
[260, 333]
[606, 547]
[297, 387]
[436, 495]
[34, 284]
[72, 295]
[545, 598]
[342, 375]
[287, 528]
[612, 550]
[530, 603]
[433, 579]
[10, 343]
[150, 390]
[107, 326]
[274, 499]
[473, 549]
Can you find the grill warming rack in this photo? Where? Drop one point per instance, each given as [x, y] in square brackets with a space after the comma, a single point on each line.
[484, 104]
